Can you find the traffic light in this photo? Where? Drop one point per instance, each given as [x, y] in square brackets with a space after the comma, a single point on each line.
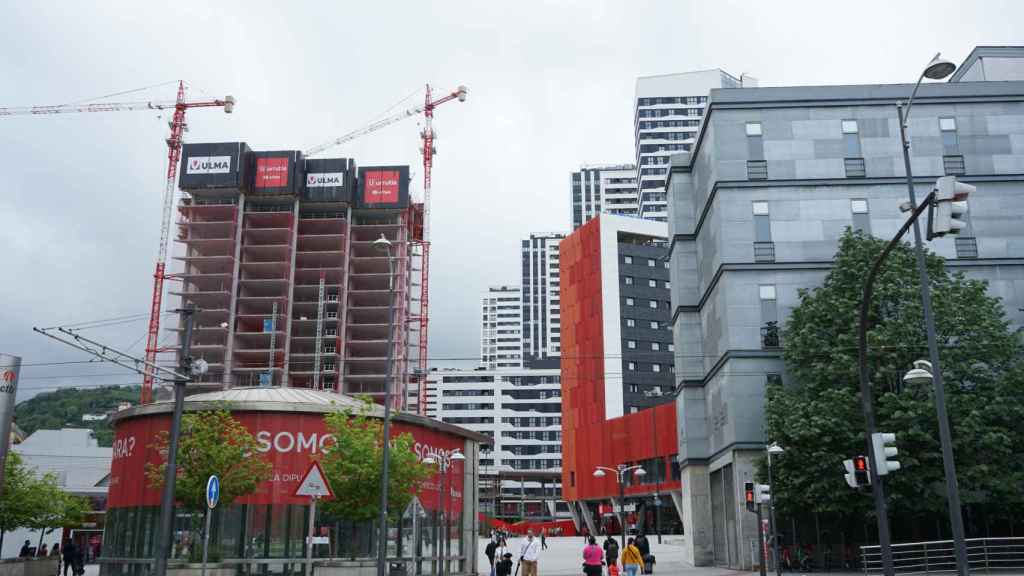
[762, 493]
[880, 444]
[947, 213]
[857, 472]
[748, 496]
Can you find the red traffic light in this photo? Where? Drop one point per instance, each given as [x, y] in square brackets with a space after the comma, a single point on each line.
[860, 464]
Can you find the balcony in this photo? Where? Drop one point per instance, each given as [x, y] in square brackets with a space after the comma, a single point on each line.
[764, 251]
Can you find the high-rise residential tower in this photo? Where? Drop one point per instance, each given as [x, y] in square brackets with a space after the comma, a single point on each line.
[666, 118]
[501, 328]
[608, 188]
[540, 297]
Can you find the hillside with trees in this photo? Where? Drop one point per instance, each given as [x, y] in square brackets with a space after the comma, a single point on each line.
[64, 409]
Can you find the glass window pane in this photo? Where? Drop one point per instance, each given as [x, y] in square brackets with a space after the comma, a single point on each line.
[849, 126]
[859, 206]
[767, 291]
[947, 124]
[753, 128]
[760, 208]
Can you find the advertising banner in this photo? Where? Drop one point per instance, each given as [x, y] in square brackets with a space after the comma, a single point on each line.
[276, 172]
[10, 368]
[290, 441]
[216, 165]
[383, 187]
[327, 180]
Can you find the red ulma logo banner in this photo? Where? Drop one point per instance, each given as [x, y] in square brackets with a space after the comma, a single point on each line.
[381, 187]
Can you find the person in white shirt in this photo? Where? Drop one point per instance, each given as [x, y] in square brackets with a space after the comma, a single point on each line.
[529, 553]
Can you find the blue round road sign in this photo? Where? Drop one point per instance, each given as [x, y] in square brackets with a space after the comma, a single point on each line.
[212, 491]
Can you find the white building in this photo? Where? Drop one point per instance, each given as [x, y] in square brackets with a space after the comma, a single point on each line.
[609, 188]
[667, 113]
[501, 328]
[521, 410]
[81, 467]
[541, 289]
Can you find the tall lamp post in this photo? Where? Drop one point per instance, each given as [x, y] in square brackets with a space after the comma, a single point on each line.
[657, 473]
[620, 472]
[444, 465]
[936, 69]
[384, 245]
[773, 449]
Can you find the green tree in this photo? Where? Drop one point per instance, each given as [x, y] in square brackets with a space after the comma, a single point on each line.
[212, 442]
[353, 465]
[35, 502]
[55, 507]
[818, 418]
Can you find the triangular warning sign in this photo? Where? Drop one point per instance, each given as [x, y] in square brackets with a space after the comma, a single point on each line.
[314, 483]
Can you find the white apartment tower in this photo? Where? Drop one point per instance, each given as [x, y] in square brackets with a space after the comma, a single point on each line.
[541, 289]
[609, 188]
[501, 328]
[666, 118]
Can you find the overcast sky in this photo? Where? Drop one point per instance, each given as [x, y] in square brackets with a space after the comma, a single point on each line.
[550, 88]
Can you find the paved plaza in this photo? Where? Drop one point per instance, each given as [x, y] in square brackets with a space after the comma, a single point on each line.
[564, 557]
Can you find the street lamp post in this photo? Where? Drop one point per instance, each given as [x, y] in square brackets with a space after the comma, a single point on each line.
[936, 69]
[620, 472]
[657, 473]
[444, 547]
[773, 448]
[384, 245]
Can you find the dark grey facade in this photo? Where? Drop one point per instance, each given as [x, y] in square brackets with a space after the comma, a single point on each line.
[647, 346]
[541, 289]
[755, 213]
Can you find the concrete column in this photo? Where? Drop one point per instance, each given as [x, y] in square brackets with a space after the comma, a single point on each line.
[227, 381]
[287, 328]
[470, 503]
[588, 520]
[695, 501]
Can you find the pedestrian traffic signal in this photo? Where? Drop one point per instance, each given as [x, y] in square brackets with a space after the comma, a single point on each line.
[857, 472]
[762, 493]
[947, 213]
[748, 496]
[880, 444]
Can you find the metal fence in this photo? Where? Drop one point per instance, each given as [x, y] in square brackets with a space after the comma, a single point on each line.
[985, 555]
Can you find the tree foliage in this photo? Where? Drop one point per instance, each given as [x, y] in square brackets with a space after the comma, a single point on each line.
[64, 408]
[212, 442]
[36, 502]
[818, 418]
[353, 466]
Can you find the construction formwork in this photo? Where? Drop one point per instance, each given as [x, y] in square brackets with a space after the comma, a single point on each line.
[289, 288]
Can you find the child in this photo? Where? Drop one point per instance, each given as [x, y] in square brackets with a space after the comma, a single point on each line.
[504, 566]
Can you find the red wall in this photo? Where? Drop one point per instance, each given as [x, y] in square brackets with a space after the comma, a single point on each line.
[588, 440]
[289, 440]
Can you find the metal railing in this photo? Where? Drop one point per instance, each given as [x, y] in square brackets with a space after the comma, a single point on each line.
[984, 555]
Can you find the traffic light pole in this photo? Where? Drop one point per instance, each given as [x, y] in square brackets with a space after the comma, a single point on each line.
[867, 403]
[948, 464]
[763, 560]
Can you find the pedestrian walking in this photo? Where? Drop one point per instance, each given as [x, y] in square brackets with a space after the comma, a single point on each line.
[611, 554]
[632, 560]
[491, 551]
[26, 550]
[42, 552]
[504, 566]
[529, 554]
[69, 553]
[645, 552]
[593, 558]
[543, 538]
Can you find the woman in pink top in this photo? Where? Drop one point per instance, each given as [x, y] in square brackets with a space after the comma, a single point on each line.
[592, 558]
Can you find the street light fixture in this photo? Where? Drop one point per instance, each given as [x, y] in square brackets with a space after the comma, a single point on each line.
[444, 547]
[920, 375]
[620, 472]
[382, 244]
[773, 449]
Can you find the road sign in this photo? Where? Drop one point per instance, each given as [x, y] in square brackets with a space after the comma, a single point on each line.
[314, 483]
[212, 491]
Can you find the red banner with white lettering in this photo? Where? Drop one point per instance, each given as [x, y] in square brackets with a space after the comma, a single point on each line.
[288, 441]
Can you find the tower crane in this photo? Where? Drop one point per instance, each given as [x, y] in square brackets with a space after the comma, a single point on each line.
[174, 141]
[428, 150]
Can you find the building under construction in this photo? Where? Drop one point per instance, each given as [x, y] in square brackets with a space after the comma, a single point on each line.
[279, 261]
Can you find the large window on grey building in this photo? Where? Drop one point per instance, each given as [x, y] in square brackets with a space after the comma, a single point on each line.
[764, 248]
[861, 217]
[757, 167]
[952, 159]
[853, 158]
[769, 316]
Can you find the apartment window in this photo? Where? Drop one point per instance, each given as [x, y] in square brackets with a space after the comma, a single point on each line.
[629, 280]
[650, 262]
[654, 324]
[332, 314]
[668, 285]
[952, 159]
[630, 323]
[769, 316]
[631, 366]
[754, 129]
[764, 248]
[653, 303]
[861, 218]
[628, 259]
[631, 344]
[629, 302]
[667, 266]
[655, 367]
[671, 347]
[330, 331]
[656, 346]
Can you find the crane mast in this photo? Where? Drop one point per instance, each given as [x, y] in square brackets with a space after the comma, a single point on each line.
[174, 141]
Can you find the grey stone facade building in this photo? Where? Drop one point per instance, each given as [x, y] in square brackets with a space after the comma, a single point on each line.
[755, 212]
